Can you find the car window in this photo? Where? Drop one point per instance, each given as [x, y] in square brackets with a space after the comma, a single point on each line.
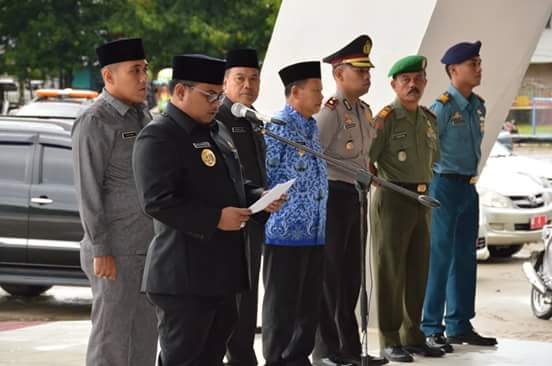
[13, 161]
[57, 165]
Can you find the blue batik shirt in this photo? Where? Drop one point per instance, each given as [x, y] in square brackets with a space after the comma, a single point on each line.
[302, 220]
[461, 123]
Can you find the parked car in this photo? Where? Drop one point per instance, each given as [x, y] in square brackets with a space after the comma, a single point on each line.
[482, 250]
[40, 228]
[57, 103]
[515, 200]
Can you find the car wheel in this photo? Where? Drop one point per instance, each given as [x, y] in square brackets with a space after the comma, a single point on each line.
[541, 304]
[25, 290]
[504, 251]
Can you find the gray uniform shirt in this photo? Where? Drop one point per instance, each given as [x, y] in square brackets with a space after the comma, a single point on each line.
[103, 138]
[346, 132]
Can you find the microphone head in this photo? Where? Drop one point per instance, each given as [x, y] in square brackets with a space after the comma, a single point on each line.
[238, 110]
[429, 201]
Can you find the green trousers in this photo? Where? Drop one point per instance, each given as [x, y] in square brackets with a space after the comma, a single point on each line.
[400, 228]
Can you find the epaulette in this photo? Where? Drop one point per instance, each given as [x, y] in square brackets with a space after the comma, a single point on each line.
[332, 103]
[385, 112]
[429, 111]
[444, 98]
[480, 98]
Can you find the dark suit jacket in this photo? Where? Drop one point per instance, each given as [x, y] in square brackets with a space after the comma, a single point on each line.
[185, 196]
[231, 122]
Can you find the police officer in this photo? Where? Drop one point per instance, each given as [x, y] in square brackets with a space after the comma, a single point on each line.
[346, 132]
[189, 179]
[116, 231]
[294, 251]
[403, 151]
[454, 228]
[241, 85]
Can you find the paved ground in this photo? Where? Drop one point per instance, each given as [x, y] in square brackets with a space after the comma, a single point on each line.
[64, 344]
[52, 329]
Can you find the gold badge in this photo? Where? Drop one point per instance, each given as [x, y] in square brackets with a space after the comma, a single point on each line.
[208, 157]
[367, 47]
[421, 188]
[301, 152]
[349, 145]
[402, 156]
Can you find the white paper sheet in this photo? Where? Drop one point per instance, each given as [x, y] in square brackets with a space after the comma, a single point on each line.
[275, 193]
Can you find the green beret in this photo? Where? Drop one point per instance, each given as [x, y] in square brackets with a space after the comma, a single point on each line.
[408, 64]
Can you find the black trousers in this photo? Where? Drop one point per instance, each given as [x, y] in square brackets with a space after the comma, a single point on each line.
[239, 349]
[338, 331]
[193, 330]
[292, 278]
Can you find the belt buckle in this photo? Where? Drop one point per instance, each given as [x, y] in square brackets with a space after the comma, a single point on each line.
[421, 188]
[473, 180]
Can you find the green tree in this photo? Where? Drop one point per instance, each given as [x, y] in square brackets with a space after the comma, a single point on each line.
[51, 38]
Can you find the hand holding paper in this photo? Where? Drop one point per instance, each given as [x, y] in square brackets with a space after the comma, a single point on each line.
[273, 195]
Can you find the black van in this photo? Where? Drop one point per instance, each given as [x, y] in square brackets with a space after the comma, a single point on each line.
[40, 228]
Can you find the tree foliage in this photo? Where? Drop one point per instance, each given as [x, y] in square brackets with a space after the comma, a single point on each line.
[51, 38]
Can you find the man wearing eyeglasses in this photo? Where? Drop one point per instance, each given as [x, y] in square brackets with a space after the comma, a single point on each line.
[403, 152]
[188, 177]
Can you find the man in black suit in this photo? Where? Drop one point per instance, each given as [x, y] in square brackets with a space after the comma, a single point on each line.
[241, 85]
[188, 177]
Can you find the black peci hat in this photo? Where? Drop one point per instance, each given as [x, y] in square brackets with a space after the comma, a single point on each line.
[198, 68]
[126, 49]
[300, 71]
[242, 57]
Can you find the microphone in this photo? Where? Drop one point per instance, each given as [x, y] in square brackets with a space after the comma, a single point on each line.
[241, 111]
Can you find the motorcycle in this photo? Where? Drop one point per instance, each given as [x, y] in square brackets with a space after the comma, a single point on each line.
[538, 271]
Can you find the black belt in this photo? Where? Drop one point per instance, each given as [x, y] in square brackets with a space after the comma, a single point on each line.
[471, 179]
[415, 187]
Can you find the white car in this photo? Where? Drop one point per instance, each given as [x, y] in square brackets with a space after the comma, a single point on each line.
[515, 200]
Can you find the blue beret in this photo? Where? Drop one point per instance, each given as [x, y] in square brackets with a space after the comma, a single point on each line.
[461, 52]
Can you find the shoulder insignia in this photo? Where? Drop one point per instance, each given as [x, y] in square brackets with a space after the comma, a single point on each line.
[331, 103]
[385, 112]
[429, 111]
[480, 98]
[444, 98]
[382, 115]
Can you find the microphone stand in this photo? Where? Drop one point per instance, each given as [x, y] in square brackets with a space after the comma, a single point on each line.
[364, 180]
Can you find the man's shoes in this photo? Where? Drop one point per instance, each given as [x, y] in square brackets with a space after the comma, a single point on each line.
[425, 350]
[397, 354]
[375, 361]
[472, 338]
[343, 361]
[438, 340]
